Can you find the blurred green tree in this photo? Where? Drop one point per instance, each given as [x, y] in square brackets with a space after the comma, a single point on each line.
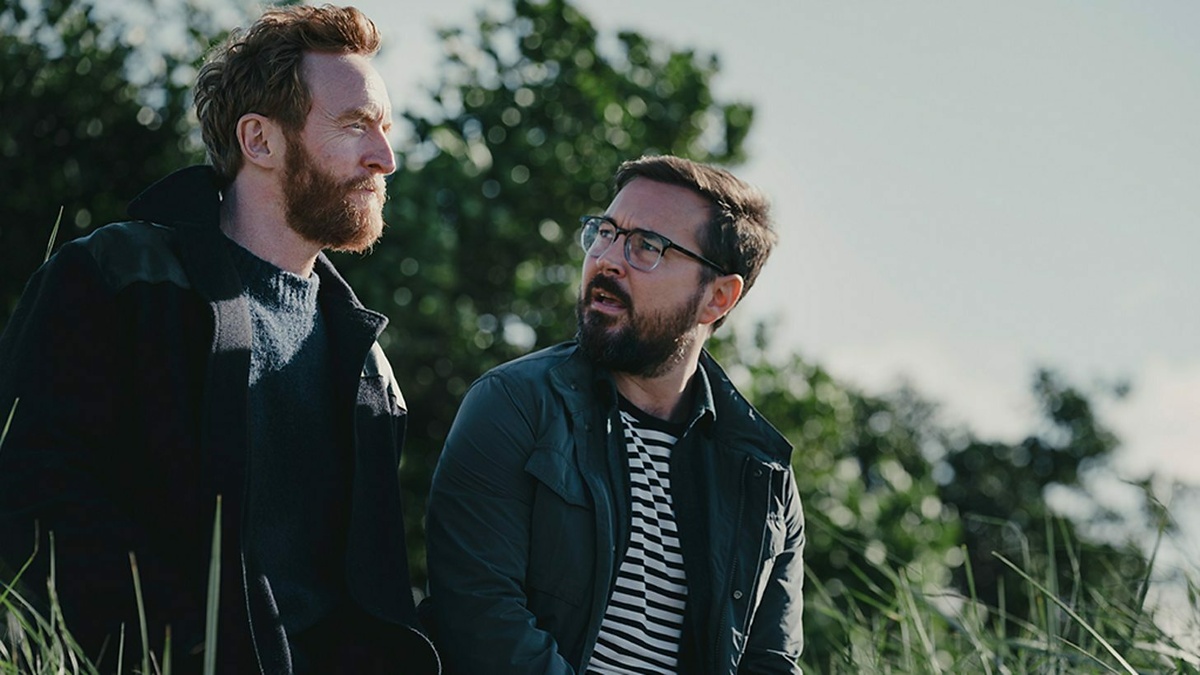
[871, 500]
[94, 109]
[1000, 492]
[533, 114]
[888, 486]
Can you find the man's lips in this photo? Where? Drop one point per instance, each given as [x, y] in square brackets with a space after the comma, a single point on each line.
[607, 296]
[368, 188]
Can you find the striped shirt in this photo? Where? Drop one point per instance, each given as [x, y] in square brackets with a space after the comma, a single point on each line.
[644, 618]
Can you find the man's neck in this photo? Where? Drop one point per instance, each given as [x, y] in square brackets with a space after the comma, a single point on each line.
[664, 396]
[255, 219]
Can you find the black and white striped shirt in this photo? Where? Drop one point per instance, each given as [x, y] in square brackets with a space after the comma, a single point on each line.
[644, 618]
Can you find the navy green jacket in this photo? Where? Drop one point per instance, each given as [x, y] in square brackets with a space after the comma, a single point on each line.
[129, 352]
[529, 520]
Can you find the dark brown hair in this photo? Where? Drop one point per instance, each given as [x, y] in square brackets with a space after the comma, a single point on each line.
[739, 236]
[258, 71]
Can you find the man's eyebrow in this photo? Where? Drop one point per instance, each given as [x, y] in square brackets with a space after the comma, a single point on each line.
[369, 113]
[609, 219]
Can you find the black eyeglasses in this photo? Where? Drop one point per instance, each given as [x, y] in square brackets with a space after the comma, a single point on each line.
[643, 249]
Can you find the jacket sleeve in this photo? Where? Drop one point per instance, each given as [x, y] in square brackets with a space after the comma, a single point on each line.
[777, 634]
[64, 356]
[478, 541]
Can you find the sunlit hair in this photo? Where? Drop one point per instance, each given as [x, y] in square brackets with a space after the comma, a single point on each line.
[739, 236]
[258, 71]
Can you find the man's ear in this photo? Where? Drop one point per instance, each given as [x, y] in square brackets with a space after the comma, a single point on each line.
[261, 140]
[723, 294]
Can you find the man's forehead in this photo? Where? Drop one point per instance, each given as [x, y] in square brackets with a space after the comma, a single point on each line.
[349, 69]
[346, 84]
[644, 203]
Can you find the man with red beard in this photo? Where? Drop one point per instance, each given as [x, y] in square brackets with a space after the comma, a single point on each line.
[205, 359]
[613, 504]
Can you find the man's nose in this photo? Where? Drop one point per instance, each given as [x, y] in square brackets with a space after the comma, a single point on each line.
[380, 158]
[614, 256]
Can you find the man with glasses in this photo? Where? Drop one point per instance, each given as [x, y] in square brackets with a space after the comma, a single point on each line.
[613, 504]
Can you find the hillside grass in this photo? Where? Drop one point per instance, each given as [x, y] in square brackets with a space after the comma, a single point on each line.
[910, 630]
[915, 629]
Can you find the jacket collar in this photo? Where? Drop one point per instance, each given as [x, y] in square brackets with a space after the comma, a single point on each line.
[336, 295]
[189, 196]
[719, 409]
[740, 423]
[189, 202]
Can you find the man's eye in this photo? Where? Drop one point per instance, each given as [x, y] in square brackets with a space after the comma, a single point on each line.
[649, 245]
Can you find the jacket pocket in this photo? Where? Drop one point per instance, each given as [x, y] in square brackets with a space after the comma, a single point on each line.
[562, 533]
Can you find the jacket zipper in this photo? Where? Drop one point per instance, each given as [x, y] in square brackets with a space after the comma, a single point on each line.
[721, 627]
[597, 620]
[242, 558]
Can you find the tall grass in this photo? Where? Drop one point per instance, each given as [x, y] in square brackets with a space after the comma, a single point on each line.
[34, 644]
[913, 629]
[906, 629]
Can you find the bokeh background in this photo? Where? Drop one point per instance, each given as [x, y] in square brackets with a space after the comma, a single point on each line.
[965, 191]
[980, 326]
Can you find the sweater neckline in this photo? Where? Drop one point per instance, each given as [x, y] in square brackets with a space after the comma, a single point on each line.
[271, 286]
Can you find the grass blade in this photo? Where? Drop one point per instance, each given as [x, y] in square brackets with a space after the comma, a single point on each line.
[12, 411]
[1070, 612]
[166, 657]
[137, 591]
[214, 596]
[53, 235]
[907, 598]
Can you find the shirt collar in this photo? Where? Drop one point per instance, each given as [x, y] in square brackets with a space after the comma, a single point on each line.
[703, 411]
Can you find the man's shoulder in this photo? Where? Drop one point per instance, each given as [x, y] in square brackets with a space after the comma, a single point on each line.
[537, 375]
[739, 420]
[128, 232]
[538, 364]
[134, 251]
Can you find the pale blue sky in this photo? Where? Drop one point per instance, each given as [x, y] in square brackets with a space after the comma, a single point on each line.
[964, 190]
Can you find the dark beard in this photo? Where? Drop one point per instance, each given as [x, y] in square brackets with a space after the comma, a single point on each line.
[645, 346]
[319, 208]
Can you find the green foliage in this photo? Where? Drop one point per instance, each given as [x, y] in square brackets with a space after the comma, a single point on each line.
[870, 498]
[480, 264]
[92, 113]
[999, 492]
[886, 485]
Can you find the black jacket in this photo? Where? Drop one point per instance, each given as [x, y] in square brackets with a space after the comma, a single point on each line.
[529, 520]
[129, 352]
